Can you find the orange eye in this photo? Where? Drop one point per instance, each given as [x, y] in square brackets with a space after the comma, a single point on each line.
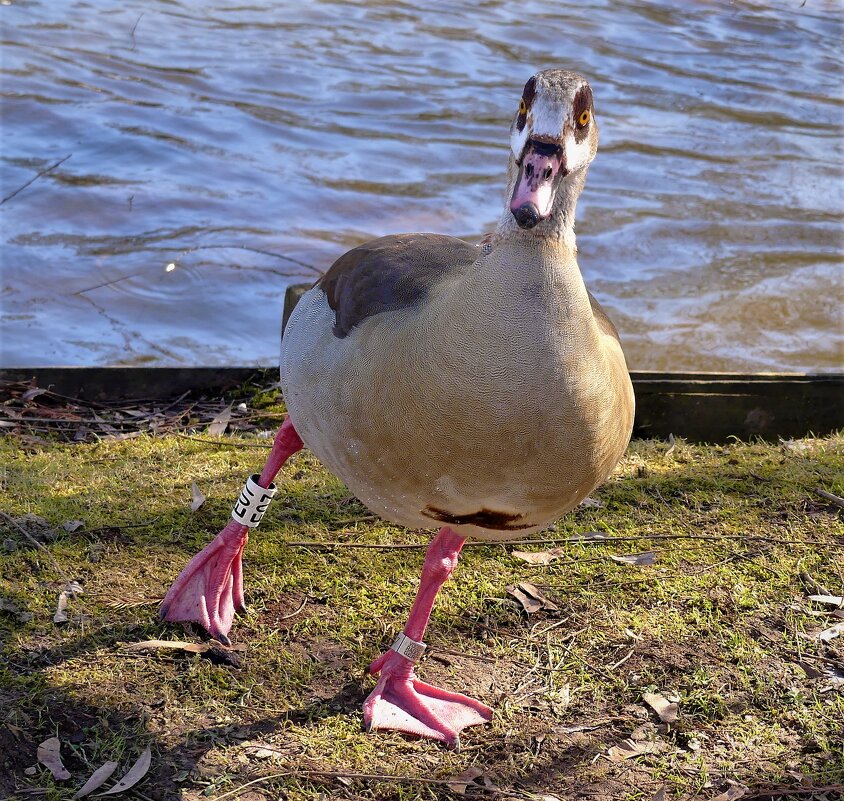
[583, 119]
[522, 106]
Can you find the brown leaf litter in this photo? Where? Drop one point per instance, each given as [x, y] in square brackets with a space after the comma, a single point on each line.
[49, 755]
[530, 598]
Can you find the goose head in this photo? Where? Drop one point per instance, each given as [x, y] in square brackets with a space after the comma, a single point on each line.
[553, 137]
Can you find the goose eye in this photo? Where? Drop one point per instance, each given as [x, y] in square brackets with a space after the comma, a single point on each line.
[522, 106]
[583, 119]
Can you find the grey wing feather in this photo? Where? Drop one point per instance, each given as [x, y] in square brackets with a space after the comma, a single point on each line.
[390, 273]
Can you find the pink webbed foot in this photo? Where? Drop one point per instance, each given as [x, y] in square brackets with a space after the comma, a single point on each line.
[403, 703]
[210, 589]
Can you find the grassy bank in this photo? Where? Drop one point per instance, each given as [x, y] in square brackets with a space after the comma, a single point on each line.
[719, 623]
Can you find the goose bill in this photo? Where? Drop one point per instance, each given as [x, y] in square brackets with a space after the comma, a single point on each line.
[536, 185]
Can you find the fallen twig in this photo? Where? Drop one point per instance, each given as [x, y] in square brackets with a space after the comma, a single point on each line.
[296, 612]
[101, 529]
[33, 180]
[570, 540]
[782, 790]
[835, 499]
[378, 777]
[623, 659]
[223, 442]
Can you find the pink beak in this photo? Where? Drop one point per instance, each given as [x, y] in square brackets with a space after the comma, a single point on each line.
[533, 196]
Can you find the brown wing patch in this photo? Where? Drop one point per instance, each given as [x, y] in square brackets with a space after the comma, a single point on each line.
[602, 318]
[393, 272]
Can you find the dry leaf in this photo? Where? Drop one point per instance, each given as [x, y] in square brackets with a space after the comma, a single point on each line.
[539, 557]
[471, 777]
[628, 749]
[828, 600]
[592, 503]
[833, 675]
[220, 422]
[192, 647]
[197, 497]
[71, 590]
[135, 774]
[72, 525]
[731, 794]
[530, 598]
[32, 393]
[641, 559]
[214, 650]
[264, 751]
[150, 645]
[811, 671]
[832, 632]
[98, 778]
[665, 710]
[588, 535]
[49, 755]
[460, 782]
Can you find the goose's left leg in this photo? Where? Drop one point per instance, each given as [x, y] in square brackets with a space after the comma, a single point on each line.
[210, 589]
[400, 701]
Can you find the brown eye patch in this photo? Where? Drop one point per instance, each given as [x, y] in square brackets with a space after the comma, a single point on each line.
[524, 104]
[582, 112]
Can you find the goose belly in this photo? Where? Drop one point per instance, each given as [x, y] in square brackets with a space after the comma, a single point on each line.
[425, 439]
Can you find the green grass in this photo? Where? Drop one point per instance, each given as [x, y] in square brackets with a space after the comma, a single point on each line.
[721, 624]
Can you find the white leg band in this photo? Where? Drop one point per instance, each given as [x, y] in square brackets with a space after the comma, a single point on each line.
[409, 649]
[253, 502]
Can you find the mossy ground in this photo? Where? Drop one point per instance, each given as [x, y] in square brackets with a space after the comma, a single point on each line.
[722, 623]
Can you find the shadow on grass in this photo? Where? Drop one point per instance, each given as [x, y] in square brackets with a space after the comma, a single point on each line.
[48, 684]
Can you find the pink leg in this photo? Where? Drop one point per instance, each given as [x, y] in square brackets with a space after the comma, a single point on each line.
[400, 701]
[210, 589]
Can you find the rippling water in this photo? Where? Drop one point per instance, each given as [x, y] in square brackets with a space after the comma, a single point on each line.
[219, 149]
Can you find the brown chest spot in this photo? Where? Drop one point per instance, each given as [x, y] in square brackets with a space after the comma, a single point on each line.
[485, 518]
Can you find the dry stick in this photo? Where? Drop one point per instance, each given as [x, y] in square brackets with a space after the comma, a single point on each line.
[835, 499]
[293, 614]
[622, 660]
[222, 442]
[24, 420]
[782, 790]
[551, 540]
[33, 180]
[35, 542]
[100, 529]
[328, 774]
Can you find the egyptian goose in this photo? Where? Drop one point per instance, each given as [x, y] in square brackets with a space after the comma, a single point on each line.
[482, 390]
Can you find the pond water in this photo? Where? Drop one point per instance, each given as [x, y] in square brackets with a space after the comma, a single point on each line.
[217, 151]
